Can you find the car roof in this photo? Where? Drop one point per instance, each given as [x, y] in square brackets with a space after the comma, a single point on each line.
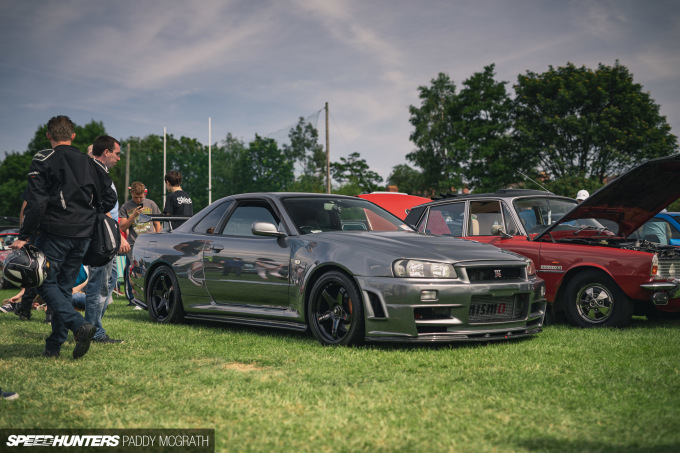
[501, 193]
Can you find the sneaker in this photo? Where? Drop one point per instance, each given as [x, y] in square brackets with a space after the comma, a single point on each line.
[106, 339]
[137, 307]
[83, 339]
[9, 395]
[6, 308]
[48, 353]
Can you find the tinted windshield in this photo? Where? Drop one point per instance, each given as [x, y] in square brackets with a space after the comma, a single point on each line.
[540, 212]
[318, 214]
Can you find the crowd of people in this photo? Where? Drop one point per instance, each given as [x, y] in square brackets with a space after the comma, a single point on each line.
[66, 189]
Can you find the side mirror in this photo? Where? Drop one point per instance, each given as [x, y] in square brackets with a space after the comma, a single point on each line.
[266, 229]
[497, 230]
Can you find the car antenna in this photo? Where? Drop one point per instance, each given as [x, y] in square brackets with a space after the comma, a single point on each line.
[518, 171]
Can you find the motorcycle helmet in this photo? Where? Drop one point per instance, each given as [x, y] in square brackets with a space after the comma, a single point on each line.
[25, 267]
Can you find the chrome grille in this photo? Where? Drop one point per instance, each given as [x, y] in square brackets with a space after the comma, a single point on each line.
[485, 309]
[669, 268]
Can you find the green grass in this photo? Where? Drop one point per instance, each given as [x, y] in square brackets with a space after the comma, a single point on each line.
[563, 390]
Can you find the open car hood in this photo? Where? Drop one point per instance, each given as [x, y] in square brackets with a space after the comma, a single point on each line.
[632, 198]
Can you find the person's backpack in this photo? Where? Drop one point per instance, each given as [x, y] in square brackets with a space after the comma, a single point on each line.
[105, 239]
[104, 242]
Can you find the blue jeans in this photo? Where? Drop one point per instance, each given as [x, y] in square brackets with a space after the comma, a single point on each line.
[96, 288]
[65, 255]
[97, 291]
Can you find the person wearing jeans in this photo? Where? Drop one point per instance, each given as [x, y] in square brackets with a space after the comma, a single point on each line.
[65, 191]
[64, 255]
[96, 295]
[106, 150]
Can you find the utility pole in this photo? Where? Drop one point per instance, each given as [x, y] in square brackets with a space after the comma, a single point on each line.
[328, 156]
[127, 173]
[165, 170]
[209, 160]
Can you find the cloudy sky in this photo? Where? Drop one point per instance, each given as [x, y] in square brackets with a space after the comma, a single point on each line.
[256, 66]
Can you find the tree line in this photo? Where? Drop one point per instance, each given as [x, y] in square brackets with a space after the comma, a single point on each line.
[260, 165]
[566, 129]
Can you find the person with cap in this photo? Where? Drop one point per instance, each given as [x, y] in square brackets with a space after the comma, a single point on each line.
[582, 195]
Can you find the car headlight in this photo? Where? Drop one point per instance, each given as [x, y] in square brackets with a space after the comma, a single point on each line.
[531, 269]
[423, 269]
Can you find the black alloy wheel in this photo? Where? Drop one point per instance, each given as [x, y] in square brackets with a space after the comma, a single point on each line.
[163, 298]
[335, 311]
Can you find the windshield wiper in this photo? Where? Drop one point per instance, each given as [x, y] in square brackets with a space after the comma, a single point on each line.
[601, 229]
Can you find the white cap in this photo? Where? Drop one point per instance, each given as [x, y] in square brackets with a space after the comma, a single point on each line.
[582, 195]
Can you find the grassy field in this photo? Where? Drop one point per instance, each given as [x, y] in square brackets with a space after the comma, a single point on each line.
[565, 390]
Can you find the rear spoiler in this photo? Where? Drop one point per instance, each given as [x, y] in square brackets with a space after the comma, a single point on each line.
[145, 218]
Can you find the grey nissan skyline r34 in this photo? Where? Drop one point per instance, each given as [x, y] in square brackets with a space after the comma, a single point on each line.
[342, 266]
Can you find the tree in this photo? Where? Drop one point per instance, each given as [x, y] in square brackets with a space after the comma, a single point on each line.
[305, 149]
[407, 179]
[592, 123]
[355, 171]
[13, 182]
[484, 133]
[264, 168]
[228, 157]
[464, 139]
[433, 134]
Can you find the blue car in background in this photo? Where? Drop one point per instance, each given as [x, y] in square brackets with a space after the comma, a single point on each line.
[663, 228]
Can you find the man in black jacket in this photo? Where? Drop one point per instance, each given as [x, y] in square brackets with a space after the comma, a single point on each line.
[65, 189]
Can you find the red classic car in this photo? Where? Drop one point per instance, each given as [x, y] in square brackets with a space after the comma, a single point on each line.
[397, 203]
[595, 275]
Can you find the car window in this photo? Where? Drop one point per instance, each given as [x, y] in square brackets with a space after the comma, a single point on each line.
[537, 213]
[319, 214]
[209, 223]
[240, 222]
[483, 216]
[445, 219]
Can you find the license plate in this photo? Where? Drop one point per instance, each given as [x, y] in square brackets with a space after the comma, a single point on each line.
[499, 309]
[490, 309]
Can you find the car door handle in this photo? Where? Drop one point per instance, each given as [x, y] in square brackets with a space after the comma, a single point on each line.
[217, 248]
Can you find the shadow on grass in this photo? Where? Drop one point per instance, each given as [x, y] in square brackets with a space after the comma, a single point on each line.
[306, 336]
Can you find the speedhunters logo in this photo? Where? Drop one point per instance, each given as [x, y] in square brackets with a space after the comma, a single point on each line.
[147, 440]
[46, 440]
